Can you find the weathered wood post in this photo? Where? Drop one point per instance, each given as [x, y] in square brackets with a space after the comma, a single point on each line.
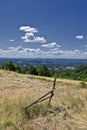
[52, 92]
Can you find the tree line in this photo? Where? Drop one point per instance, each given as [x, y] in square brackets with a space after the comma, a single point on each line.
[79, 73]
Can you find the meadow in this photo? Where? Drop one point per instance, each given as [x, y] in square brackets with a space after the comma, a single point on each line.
[68, 109]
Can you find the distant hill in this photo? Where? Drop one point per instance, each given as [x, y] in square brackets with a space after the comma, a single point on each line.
[49, 62]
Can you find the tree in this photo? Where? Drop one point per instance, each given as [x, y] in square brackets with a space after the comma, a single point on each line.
[17, 68]
[9, 66]
[43, 71]
[32, 70]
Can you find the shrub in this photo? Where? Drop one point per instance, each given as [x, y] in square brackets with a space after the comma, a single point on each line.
[82, 85]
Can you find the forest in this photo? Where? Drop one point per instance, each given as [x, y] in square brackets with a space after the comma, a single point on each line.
[79, 73]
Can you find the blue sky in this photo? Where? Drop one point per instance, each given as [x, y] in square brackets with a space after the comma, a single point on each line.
[43, 28]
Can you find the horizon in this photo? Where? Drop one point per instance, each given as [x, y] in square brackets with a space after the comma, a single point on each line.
[43, 58]
[43, 29]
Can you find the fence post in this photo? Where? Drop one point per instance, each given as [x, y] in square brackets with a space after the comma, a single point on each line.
[52, 92]
[44, 97]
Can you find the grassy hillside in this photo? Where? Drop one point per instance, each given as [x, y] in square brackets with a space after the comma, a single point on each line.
[68, 110]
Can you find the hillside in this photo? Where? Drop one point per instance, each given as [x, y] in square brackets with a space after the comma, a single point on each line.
[68, 110]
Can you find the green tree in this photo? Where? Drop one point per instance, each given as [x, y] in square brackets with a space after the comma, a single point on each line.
[44, 71]
[32, 70]
[25, 69]
[9, 66]
[18, 68]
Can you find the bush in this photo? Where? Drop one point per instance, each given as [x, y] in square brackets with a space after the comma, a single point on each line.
[82, 85]
[44, 71]
[9, 66]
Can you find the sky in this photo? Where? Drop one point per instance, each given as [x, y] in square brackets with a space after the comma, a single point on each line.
[43, 29]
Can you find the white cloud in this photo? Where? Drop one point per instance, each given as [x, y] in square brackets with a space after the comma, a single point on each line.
[51, 45]
[11, 48]
[57, 53]
[80, 37]
[85, 53]
[21, 52]
[19, 48]
[11, 40]
[31, 50]
[28, 29]
[74, 54]
[77, 51]
[40, 39]
[85, 45]
[0, 49]
[29, 36]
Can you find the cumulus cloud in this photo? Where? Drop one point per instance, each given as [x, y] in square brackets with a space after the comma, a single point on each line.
[40, 39]
[80, 37]
[85, 45]
[11, 48]
[85, 53]
[19, 48]
[11, 40]
[31, 50]
[77, 51]
[57, 53]
[51, 45]
[28, 52]
[28, 29]
[0, 50]
[22, 52]
[29, 36]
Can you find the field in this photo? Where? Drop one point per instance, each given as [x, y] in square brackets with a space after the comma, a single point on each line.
[68, 109]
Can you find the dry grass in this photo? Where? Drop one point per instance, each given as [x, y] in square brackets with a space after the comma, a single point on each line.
[68, 109]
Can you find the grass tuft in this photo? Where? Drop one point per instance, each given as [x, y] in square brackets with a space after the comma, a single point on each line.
[37, 110]
[74, 102]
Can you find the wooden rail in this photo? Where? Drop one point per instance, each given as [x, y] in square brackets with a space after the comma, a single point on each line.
[49, 95]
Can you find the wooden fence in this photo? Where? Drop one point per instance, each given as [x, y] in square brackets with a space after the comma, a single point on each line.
[48, 95]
